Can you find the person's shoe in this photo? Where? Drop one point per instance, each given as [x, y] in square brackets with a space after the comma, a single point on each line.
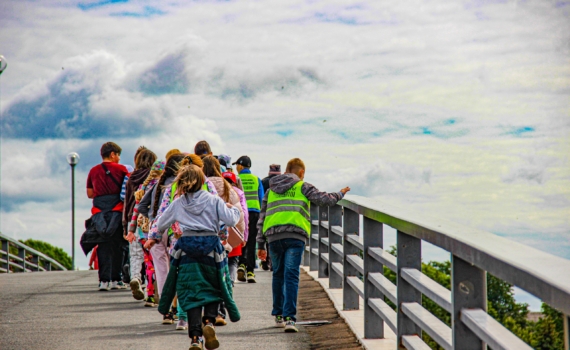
[279, 322]
[220, 321]
[251, 277]
[174, 312]
[241, 273]
[290, 325]
[181, 325]
[104, 286]
[150, 302]
[136, 289]
[210, 339]
[168, 318]
[196, 343]
[118, 285]
[265, 266]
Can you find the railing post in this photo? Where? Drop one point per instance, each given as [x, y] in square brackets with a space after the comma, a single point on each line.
[47, 265]
[36, 260]
[22, 255]
[351, 225]
[313, 244]
[323, 248]
[6, 248]
[468, 291]
[335, 219]
[409, 256]
[372, 236]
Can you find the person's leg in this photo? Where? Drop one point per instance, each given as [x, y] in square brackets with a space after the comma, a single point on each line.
[150, 301]
[251, 241]
[210, 313]
[277, 251]
[136, 261]
[194, 322]
[161, 262]
[292, 261]
[233, 266]
[104, 258]
[117, 244]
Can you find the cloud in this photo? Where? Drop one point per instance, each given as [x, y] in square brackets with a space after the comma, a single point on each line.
[532, 169]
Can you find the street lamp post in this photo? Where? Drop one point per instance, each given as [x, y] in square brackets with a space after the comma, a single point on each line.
[73, 159]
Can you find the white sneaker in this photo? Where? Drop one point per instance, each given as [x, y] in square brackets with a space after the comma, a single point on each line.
[181, 325]
[103, 286]
[118, 285]
[290, 325]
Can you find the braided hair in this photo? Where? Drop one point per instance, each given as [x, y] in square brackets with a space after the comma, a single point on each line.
[170, 170]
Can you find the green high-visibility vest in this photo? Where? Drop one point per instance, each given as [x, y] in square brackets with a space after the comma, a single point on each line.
[173, 189]
[250, 185]
[289, 208]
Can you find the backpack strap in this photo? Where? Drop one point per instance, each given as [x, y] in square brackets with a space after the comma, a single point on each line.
[111, 176]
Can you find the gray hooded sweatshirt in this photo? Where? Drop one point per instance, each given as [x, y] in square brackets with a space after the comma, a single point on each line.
[281, 184]
[198, 214]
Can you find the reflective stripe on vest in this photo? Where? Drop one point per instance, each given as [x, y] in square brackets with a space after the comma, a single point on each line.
[289, 208]
[250, 185]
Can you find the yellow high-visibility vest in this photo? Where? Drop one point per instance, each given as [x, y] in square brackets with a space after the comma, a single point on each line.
[289, 208]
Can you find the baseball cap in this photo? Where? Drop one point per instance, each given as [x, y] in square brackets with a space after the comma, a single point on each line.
[243, 161]
[275, 169]
[230, 176]
[225, 160]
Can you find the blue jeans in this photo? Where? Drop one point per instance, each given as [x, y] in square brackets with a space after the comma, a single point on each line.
[286, 257]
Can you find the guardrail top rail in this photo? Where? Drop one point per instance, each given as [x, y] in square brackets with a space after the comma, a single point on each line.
[339, 250]
[24, 250]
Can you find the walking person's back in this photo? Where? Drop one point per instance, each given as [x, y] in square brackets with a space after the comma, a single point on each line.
[284, 222]
[253, 189]
[104, 187]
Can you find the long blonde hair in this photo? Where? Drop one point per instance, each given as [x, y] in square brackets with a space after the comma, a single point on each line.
[154, 174]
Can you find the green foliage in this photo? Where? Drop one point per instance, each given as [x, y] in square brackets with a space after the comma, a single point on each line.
[55, 253]
[545, 334]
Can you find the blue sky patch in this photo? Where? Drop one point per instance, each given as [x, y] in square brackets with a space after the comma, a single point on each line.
[148, 11]
[520, 131]
[285, 133]
[97, 4]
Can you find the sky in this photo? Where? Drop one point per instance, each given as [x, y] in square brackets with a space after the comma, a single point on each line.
[458, 109]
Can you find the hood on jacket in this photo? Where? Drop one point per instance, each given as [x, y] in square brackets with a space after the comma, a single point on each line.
[195, 203]
[282, 183]
[138, 176]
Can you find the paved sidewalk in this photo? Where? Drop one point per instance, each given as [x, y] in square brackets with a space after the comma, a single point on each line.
[64, 310]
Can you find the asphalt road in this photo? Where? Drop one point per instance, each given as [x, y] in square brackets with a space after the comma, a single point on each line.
[64, 310]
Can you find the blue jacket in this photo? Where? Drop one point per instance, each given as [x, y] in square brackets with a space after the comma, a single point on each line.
[260, 191]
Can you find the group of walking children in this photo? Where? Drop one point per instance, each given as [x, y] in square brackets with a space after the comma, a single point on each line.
[188, 228]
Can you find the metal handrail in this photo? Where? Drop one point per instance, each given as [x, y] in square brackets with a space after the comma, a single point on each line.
[356, 254]
[19, 261]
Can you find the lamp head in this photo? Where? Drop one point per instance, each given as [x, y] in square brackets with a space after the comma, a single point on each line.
[73, 158]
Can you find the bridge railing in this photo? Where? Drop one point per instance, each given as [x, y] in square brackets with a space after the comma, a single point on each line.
[354, 260]
[26, 260]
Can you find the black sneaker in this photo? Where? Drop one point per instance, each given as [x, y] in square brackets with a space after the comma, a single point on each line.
[265, 266]
[168, 318]
[196, 343]
[241, 273]
[251, 277]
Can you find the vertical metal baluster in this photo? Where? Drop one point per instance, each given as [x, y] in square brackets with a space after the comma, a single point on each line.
[350, 226]
[22, 255]
[6, 248]
[372, 236]
[323, 248]
[307, 252]
[409, 256]
[468, 291]
[313, 243]
[335, 219]
[36, 260]
[47, 265]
